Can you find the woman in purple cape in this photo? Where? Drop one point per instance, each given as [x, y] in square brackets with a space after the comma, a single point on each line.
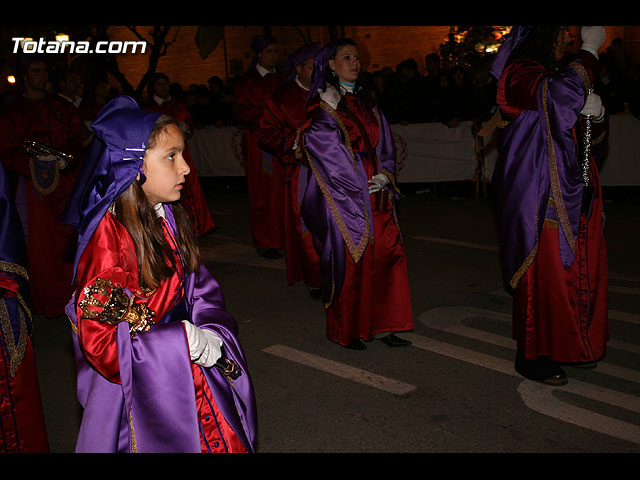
[23, 426]
[548, 199]
[160, 367]
[348, 205]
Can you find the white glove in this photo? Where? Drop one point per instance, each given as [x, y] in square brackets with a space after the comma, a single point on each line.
[205, 346]
[378, 182]
[592, 39]
[593, 106]
[331, 96]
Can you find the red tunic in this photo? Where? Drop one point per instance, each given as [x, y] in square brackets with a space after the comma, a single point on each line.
[192, 198]
[558, 312]
[265, 177]
[22, 426]
[51, 245]
[110, 254]
[284, 112]
[375, 297]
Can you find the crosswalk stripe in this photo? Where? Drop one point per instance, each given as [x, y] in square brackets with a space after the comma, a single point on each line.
[380, 382]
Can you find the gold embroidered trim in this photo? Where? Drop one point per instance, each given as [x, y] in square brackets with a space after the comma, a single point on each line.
[15, 268]
[36, 185]
[392, 178]
[347, 140]
[134, 443]
[582, 71]
[563, 218]
[356, 251]
[74, 327]
[16, 351]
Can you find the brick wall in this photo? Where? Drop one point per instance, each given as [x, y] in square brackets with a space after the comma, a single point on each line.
[378, 46]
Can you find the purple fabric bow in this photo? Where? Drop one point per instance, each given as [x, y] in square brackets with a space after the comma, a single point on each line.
[301, 55]
[516, 36]
[112, 163]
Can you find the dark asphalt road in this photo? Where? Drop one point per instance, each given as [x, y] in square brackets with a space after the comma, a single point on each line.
[453, 391]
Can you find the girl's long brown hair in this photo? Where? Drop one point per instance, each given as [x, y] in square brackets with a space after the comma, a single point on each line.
[156, 261]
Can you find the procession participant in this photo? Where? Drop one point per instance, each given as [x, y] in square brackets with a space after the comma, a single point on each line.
[159, 100]
[348, 205]
[42, 180]
[265, 177]
[23, 426]
[160, 366]
[284, 112]
[548, 199]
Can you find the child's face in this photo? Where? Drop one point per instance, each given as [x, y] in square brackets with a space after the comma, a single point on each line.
[165, 167]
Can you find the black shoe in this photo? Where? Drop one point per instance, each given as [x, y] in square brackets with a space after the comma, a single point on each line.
[315, 294]
[394, 341]
[357, 344]
[543, 370]
[269, 253]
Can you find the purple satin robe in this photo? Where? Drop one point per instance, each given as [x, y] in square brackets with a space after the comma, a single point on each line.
[336, 206]
[153, 409]
[538, 174]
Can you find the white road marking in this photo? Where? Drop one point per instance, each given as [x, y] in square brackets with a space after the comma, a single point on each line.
[449, 319]
[536, 396]
[458, 243]
[341, 370]
[540, 398]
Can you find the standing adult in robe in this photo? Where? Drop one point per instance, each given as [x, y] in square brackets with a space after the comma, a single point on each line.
[284, 113]
[22, 426]
[42, 183]
[193, 199]
[348, 205]
[265, 177]
[548, 198]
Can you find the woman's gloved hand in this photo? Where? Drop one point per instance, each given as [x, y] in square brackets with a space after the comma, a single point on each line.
[377, 182]
[205, 346]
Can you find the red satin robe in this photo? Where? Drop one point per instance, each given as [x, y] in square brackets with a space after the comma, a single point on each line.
[265, 177]
[558, 312]
[22, 423]
[51, 245]
[192, 198]
[284, 112]
[375, 297]
[110, 254]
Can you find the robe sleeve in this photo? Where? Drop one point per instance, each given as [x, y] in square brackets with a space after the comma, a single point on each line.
[102, 258]
[275, 136]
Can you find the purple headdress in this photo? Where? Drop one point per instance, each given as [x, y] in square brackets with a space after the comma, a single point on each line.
[259, 43]
[113, 162]
[301, 55]
[321, 62]
[513, 40]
